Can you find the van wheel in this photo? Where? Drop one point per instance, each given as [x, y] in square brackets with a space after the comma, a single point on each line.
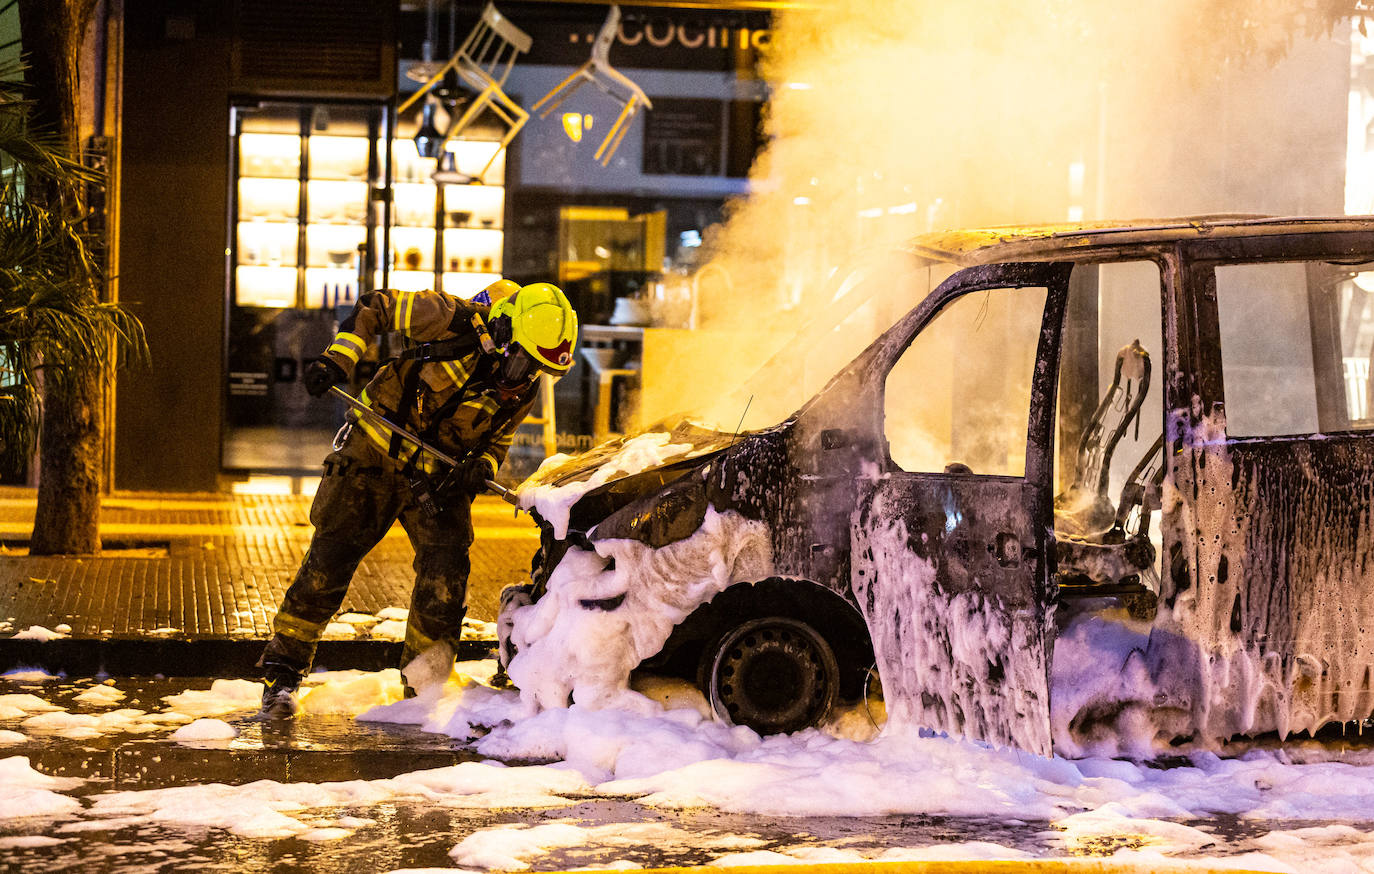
[775, 675]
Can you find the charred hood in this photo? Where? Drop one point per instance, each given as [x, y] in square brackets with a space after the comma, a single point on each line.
[622, 489]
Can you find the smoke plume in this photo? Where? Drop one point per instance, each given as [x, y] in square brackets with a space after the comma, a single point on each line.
[890, 118]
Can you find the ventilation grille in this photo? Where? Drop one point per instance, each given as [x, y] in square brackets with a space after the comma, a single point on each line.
[343, 45]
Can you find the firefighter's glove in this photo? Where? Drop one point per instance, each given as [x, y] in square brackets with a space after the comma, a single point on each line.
[320, 374]
[473, 476]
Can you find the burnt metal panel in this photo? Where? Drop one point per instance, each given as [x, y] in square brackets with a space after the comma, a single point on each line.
[1117, 241]
[1305, 568]
[952, 571]
[1267, 541]
[1273, 574]
[671, 514]
[959, 628]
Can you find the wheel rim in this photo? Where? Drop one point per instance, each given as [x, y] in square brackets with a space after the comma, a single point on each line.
[775, 675]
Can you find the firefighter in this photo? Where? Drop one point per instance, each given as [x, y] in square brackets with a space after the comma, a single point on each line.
[468, 376]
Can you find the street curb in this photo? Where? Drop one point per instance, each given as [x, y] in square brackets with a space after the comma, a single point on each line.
[972, 866]
[197, 657]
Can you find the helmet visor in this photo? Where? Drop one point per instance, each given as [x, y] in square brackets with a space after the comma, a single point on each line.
[518, 367]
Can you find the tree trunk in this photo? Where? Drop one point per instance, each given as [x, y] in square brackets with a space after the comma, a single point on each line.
[69, 471]
[70, 445]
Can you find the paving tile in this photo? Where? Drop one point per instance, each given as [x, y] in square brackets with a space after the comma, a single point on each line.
[229, 560]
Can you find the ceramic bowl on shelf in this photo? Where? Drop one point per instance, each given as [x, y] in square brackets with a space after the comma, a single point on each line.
[340, 258]
[459, 218]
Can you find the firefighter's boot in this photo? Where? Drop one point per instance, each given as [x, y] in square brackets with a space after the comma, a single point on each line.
[279, 685]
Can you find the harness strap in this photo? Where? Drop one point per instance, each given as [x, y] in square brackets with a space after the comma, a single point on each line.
[441, 350]
[410, 388]
[456, 400]
[411, 360]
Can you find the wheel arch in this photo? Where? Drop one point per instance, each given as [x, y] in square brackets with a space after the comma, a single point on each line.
[831, 615]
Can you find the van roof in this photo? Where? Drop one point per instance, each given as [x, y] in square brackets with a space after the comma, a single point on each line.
[1103, 241]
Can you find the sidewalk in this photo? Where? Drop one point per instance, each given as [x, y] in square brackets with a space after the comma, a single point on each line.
[188, 584]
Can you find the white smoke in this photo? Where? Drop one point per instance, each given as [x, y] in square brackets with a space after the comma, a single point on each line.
[891, 118]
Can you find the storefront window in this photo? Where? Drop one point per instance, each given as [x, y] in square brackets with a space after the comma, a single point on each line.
[608, 189]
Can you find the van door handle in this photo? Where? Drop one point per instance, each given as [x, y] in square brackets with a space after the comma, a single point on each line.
[1007, 550]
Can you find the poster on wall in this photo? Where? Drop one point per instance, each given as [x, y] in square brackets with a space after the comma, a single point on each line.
[682, 137]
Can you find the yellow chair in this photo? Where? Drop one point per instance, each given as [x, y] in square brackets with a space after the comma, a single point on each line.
[599, 72]
[484, 61]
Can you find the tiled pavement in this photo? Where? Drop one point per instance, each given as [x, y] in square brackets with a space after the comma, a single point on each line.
[210, 570]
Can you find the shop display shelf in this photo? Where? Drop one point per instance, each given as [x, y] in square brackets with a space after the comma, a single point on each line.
[429, 184]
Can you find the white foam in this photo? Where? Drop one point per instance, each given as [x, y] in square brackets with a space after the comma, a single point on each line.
[25, 792]
[29, 675]
[25, 842]
[38, 632]
[223, 696]
[98, 695]
[339, 631]
[390, 629]
[568, 650]
[84, 726]
[677, 759]
[554, 503]
[16, 704]
[365, 619]
[205, 729]
[349, 692]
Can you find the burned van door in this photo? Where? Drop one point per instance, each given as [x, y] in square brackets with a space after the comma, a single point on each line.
[949, 539]
[1270, 575]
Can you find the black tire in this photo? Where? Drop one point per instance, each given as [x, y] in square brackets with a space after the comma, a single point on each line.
[774, 674]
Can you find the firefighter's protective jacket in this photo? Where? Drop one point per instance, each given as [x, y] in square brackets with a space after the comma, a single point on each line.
[454, 405]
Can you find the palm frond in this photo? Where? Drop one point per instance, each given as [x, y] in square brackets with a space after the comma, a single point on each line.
[19, 417]
[51, 315]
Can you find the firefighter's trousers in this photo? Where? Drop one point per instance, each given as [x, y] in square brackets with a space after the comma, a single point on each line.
[361, 494]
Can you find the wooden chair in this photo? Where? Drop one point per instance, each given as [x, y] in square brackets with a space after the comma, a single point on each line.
[598, 71]
[484, 62]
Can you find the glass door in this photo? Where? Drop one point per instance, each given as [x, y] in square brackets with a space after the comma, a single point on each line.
[305, 210]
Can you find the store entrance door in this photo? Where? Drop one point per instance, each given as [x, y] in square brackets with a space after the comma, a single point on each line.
[303, 233]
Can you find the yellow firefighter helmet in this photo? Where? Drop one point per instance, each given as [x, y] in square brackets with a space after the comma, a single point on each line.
[541, 322]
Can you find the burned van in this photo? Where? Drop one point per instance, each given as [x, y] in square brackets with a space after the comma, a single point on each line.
[1168, 421]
